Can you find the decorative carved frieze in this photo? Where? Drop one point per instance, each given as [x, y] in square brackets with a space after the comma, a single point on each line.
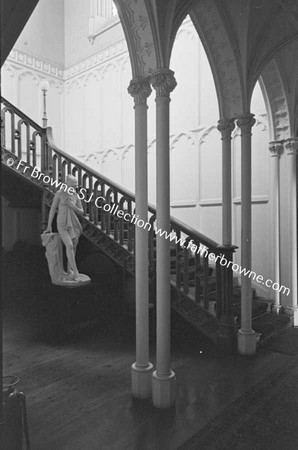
[139, 89]
[276, 148]
[164, 82]
[291, 145]
[226, 126]
[37, 64]
[245, 123]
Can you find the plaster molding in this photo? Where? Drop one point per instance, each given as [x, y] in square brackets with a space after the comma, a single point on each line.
[40, 65]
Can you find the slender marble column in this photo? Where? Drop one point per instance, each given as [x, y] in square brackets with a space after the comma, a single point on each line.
[141, 371]
[247, 337]
[163, 379]
[226, 126]
[276, 149]
[291, 146]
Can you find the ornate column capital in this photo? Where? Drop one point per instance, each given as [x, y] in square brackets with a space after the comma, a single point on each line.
[164, 82]
[245, 123]
[139, 89]
[291, 145]
[226, 126]
[276, 148]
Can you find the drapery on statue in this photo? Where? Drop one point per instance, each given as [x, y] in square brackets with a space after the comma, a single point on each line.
[69, 231]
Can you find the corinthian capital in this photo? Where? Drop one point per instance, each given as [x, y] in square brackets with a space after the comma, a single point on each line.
[163, 81]
[226, 126]
[245, 123]
[291, 145]
[276, 148]
[139, 89]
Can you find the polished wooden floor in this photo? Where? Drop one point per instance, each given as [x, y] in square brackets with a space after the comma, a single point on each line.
[78, 388]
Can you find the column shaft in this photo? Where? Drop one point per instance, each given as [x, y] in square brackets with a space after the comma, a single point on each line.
[226, 126]
[142, 368]
[246, 336]
[163, 381]
[276, 149]
[292, 148]
[163, 245]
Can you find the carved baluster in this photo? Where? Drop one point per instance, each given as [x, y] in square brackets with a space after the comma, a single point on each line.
[186, 267]
[108, 215]
[178, 260]
[12, 132]
[55, 169]
[28, 147]
[91, 202]
[32, 145]
[116, 220]
[18, 138]
[97, 204]
[219, 289]
[130, 229]
[3, 137]
[197, 277]
[121, 222]
[59, 162]
[84, 185]
[102, 213]
[205, 281]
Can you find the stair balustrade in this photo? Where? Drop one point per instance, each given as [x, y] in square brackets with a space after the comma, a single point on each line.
[201, 289]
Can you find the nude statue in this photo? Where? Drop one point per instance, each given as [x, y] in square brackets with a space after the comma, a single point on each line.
[69, 228]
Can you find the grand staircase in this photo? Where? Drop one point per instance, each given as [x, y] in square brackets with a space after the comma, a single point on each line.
[202, 291]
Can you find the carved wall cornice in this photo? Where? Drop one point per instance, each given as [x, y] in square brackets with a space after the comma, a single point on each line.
[35, 63]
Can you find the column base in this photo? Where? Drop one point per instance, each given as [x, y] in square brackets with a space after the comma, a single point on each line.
[163, 390]
[293, 311]
[247, 342]
[141, 385]
[277, 309]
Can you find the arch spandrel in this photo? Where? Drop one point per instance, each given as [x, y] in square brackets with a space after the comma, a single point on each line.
[222, 57]
[272, 83]
[137, 29]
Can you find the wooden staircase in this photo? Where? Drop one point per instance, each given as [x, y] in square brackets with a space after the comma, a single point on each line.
[202, 291]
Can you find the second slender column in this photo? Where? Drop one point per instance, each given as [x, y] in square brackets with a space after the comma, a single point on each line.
[163, 380]
[291, 146]
[276, 149]
[141, 370]
[247, 337]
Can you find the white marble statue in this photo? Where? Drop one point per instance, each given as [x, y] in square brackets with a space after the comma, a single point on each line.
[69, 230]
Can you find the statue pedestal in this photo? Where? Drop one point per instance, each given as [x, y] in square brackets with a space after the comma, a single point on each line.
[69, 307]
